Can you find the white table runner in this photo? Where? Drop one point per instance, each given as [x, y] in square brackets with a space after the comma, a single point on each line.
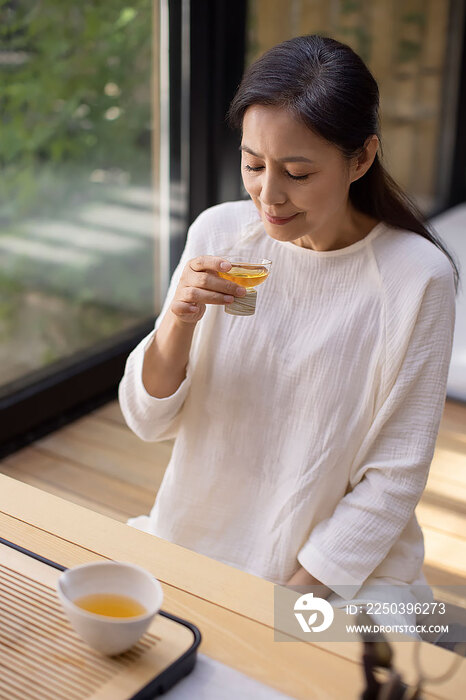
[212, 680]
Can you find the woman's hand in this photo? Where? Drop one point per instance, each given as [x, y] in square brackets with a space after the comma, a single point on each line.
[200, 285]
[301, 577]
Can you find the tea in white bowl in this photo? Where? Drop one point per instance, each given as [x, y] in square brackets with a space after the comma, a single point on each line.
[110, 604]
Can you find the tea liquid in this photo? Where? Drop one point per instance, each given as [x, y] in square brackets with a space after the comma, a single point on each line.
[111, 605]
[246, 275]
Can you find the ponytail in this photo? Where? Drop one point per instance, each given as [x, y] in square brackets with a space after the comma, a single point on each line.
[378, 195]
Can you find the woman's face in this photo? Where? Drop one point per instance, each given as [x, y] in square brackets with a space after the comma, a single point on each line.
[298, 181]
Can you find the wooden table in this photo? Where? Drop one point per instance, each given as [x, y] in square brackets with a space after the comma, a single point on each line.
[233, 610]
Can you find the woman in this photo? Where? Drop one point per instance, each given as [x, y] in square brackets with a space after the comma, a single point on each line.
[304, 433]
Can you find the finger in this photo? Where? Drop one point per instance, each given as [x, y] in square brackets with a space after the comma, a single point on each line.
[209, 262]
[195, 295]
[184, 307]
[213, 283]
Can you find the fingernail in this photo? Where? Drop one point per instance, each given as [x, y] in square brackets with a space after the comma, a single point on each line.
[225, 265]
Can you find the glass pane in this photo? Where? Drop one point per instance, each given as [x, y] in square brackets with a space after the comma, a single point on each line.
[405, 44]
[78, 248]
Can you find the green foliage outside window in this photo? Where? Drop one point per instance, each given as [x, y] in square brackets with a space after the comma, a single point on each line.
[74, 81]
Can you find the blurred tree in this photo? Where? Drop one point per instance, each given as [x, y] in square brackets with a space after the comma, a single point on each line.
[74, 92]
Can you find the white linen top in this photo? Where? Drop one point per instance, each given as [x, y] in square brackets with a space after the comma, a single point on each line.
[304, 433]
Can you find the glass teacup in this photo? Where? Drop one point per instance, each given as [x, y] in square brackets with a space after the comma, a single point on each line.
[248, 273]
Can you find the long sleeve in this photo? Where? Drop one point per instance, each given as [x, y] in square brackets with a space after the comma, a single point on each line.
[390, 471]
[151, 418]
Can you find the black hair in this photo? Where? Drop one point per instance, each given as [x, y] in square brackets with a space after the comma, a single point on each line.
[329, 88]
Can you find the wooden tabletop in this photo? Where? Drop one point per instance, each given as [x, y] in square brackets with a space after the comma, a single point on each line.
[233, 610]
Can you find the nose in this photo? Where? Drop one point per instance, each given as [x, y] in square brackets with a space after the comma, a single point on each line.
[271, 190]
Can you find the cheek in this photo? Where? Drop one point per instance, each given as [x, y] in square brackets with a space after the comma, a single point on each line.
[251, 185]
[325, 192]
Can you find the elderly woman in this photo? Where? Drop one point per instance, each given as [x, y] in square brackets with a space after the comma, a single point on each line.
[304, 433]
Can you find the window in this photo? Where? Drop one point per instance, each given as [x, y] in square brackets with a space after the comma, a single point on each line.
[77, 243]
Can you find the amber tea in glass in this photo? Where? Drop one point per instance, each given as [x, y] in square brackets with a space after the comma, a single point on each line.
[249, 274]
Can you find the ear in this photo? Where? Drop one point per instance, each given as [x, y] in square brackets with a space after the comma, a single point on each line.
[361, 163]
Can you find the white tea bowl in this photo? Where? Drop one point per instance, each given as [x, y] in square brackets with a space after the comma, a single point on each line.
[109, 635]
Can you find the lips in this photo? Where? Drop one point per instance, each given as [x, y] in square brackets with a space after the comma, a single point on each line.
[278, 220]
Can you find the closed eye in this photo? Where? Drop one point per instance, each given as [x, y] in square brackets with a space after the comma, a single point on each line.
[254, 170]
[261, 167]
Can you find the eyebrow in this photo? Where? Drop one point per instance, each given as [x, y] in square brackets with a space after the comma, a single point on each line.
[287, 159]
